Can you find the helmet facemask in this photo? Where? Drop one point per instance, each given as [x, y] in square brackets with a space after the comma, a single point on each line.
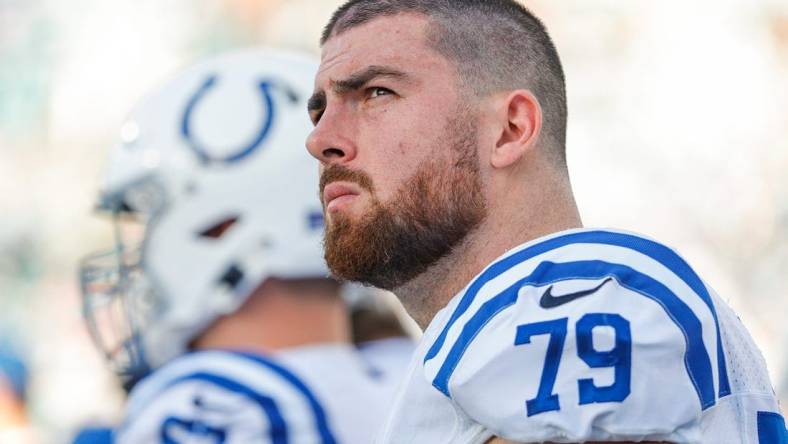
[118, 298]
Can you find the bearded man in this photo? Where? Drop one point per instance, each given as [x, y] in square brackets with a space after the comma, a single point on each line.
[441, 127]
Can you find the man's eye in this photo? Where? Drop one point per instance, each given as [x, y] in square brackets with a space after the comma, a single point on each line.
[377, 91]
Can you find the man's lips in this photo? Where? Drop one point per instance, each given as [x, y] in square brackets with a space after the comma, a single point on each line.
[336, 194]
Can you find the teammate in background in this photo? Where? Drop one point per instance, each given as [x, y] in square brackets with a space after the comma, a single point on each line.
[441, 126]
[380, 334]
[215, 297]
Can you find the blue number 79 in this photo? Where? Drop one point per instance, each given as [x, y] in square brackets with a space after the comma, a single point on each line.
[619, 357]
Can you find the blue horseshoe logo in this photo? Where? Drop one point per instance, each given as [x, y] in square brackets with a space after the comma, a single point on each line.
[203, 154]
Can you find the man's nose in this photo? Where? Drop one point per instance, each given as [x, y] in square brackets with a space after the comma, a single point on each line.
[329, 142]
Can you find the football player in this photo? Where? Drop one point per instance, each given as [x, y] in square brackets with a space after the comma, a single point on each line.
[214, 302]
[441, 129]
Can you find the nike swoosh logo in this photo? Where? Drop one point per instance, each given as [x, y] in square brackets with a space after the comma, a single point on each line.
[548, 300]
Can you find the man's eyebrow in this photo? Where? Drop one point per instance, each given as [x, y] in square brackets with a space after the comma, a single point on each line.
[317, 101]
[356, 80]
[360, 78]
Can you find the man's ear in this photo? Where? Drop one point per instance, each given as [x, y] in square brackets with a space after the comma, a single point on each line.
[521, 117]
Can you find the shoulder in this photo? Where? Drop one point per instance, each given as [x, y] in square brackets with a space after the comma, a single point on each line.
[583, 321]
[227, 394]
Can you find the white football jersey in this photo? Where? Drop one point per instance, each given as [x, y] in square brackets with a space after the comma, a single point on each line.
[586, 335]
[389, 358]
[312, 395]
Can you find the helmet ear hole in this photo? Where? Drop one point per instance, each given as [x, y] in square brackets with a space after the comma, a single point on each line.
[218, 229]
[233, 276]
[125, 208]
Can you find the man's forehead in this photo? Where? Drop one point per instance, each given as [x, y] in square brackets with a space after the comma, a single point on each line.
[398, 41]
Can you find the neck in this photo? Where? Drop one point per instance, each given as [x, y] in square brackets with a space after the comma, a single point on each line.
[506, 226]
[276, 318]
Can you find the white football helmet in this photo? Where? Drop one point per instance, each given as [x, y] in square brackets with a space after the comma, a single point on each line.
[212, 177]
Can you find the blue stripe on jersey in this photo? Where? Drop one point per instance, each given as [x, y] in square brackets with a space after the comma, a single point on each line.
[278, 432]
[320, 415]
[771, 428]
[94, 435]
[658, 252]
[696, 358]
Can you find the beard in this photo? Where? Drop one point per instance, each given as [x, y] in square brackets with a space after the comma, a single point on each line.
[428, 216]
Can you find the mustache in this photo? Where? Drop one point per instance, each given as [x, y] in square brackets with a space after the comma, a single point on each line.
[334, 173]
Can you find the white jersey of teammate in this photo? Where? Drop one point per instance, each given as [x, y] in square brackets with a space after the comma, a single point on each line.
[586, 335]
[310, 395]
[390, 355]
[389, 358]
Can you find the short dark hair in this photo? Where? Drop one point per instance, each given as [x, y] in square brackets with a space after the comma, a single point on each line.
[496, 45]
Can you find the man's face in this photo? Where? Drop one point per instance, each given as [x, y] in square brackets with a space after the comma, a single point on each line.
[400, 180]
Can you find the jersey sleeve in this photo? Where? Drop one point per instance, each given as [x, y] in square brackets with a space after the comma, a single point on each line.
[223, 397]
[582, 351]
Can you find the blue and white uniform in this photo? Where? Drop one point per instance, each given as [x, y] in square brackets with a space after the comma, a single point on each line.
[311, 395]
[586, 335]
[389, 358]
